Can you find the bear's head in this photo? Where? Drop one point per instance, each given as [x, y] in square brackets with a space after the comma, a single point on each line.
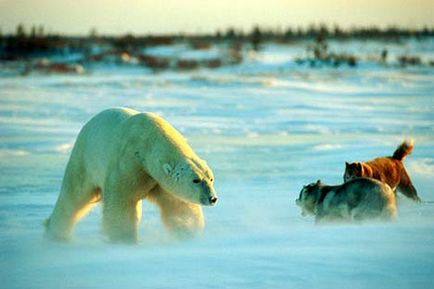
[308, 198]
[171, 162]
[190, 180]
[353, 170]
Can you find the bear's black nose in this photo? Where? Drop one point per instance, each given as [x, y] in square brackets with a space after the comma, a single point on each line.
[212, 200]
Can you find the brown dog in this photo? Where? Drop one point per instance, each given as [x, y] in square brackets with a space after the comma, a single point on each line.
[389, 170]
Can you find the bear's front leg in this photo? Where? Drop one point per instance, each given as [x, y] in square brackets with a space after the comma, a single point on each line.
[121, 217]
[181, 218]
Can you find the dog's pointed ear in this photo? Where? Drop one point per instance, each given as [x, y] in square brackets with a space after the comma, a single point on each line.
[167, 168]
[359, 167]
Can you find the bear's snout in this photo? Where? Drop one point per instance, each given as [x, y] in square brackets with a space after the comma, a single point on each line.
[209, 200]
[212, 200]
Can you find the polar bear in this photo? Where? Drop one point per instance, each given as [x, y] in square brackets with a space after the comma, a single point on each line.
[122, 156]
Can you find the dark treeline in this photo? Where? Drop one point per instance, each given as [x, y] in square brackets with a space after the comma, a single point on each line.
[36, 42]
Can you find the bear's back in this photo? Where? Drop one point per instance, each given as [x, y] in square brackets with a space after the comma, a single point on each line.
[166, 135]
[107, 135]
[97, 140]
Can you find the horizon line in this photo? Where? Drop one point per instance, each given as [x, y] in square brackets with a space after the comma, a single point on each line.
[277, 29]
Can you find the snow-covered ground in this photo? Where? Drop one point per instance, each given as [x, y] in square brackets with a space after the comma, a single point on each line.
[266, 128]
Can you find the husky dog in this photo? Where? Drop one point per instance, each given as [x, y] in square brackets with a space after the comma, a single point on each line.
[356, 200]
[389, 170]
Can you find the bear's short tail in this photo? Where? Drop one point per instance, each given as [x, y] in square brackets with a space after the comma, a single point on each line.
[403, 150]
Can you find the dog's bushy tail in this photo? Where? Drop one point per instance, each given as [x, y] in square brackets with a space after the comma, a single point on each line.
[403, 150]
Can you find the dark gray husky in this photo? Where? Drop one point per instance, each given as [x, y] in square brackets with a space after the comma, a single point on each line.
[356, 200]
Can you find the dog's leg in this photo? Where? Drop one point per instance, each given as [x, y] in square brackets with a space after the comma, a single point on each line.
[406, 187]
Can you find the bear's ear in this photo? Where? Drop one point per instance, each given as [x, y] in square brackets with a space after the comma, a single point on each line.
[167, 168]
[347, 164]
[318, 182]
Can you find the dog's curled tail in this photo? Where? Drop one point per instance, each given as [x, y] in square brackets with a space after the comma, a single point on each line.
[403, 150]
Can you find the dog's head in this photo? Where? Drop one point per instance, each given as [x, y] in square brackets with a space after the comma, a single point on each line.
[308, 198]
[353, 170]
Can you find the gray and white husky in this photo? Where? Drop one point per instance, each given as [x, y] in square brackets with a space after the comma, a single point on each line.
[356, 200]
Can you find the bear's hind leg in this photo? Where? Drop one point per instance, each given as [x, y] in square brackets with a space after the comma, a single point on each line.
[181, 218]
[71, 206]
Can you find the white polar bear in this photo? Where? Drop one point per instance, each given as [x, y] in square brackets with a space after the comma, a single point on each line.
[122, 156]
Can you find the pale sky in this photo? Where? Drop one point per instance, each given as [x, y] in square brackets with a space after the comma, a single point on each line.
[191, 16]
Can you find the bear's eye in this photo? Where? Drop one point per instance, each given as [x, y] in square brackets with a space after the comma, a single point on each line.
[211, 179]
[196, 181]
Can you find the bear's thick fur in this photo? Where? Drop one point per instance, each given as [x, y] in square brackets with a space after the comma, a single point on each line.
[122, 156]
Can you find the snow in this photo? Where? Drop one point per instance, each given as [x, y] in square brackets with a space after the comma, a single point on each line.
[266, 127]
